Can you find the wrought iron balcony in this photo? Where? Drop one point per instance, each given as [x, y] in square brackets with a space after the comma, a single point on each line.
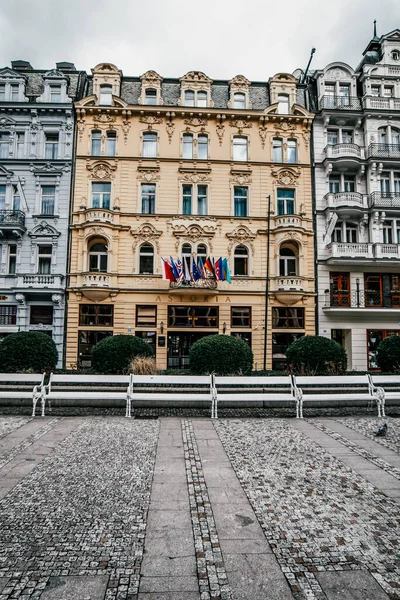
[12, 220]
[344, 150]
[384, 200]
[201, 284]
[384, 151]
[339, 103]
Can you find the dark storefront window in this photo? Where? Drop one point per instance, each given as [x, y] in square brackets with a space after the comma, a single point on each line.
[288, 318]
[87, 340]
[8, 315]
[280, 343]
[146, 316]
[96, 315]
[149, 337]
[374, 338]
[240, 316]
[192, 316]
[41, 315]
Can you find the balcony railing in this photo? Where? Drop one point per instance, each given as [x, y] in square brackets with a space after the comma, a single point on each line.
[381, 103]
[350, 250]
[96, 279]
[99, 215]
[384, 151]
[288, 221]
[387, 250]
[340, 103]
[362, 299]
[288, 284]
[346, 199]
[344, 150]
[384, 199]
[12, 219]
[39, 280]
[201, 284]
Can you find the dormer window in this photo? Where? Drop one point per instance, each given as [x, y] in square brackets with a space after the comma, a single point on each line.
[193, 98]
[55, 93]
[239, 100]
[105, 95]
[283, 104]
[201, 99]
[395, 55]
[189, 98]
[2, 92]
[151, 97]
[14, 93]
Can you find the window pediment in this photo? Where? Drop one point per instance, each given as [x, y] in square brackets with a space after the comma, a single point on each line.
[106, 74]
[196, 82]
[146, 233]
[44, 230]
[150, 81]
[239, 85]
[196, 78]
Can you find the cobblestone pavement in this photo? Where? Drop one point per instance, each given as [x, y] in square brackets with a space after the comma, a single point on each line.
[317, 514]
[82, 511]
[369, 426]
[10, 424]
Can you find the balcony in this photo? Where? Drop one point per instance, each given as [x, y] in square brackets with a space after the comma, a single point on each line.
[288, 284]
[288, 221]
[39, 281]
[12, 222]
[381, 103]
[97, 286]
[350, 203]
[100, 215]
[339, 103]
[345, 150]
[206, 286]
[354, 299]
[388, 151]
[387, 251]
[96, 280]
[349, 250]
[384, 200]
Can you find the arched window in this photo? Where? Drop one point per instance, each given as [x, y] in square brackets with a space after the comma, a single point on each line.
[146, 259]
[202, 146]
[186, 258]
[98, 257]
[287, 262]
[241, 260]
[187, 145]
[283, 104]
[239, 148]
[202, 252]
[239, 100]
[149, 144]
[396, 138]
[292, 151]
[383, 135]
[189, 98]
[277, 155]
[105, 95]
[111, 144]
[151, 96]
[96, 143]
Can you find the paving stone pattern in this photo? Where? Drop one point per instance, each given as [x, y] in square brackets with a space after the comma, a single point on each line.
[369, 426]
[317, 514]
[213, 580]
[26, 442]
[82, 511]
[11, 424]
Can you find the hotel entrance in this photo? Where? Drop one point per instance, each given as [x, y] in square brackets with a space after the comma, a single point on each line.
[179, 344]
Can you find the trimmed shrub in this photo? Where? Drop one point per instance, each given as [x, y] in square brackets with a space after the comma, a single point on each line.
[115, 353]
[223, 354]
[388, 354]
[27, 351]
[316, 355]
[142, 365]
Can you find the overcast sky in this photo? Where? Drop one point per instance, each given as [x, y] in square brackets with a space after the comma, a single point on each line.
[256, 38]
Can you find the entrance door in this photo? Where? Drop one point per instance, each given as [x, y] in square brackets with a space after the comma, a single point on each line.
[179, 345]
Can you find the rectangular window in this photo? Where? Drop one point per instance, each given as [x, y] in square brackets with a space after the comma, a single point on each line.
[2, 93]
[149, 145]
[187, 191]
[385, 183]
[375, 90]
[4, 145]
[201, 199]
[333, 137]
[187, 146]
[95, 315]
[280, 343]
[8, 315]
[388, 91]
[150, 337]
[330, 89]
[202, 147]
[111, 143]
[277, 155]
[48, 199]
[334, 184]
[347, 136]
[349, 183]
[242, 335]
[96, 143]
[14, 93]
[396, 182]
[193, 316]
[41, 315]
[146, 316]
[20, 144]
[240, 148]
[101, 194]
[2, 197]
[241, 316]
[55, 93]
[285, 201]
[16, 199]
[44, 260]
[288, 318]
[240, 195]
[51, 146]
[148, 199]
[88, 339]
[12, 258]
[339, 289]
[374, 338]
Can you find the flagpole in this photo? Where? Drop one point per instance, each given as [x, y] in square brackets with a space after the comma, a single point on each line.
[267, 284]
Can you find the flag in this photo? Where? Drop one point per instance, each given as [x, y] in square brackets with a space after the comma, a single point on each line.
[167, 271]
[187, 272]
[225, 267]
[195, 272]
[174, 269]
[179, 268]
[208, 267]
[201, 267]
[217, 266]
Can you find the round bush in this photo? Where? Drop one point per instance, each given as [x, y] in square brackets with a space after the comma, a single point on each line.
[223, 354]
[27, 351]
[114, 354]
[316, 355]
[388, 354]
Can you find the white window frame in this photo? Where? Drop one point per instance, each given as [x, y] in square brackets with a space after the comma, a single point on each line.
[47, 256]
[241, 256]
[146, 144]
[43, 196]
[141, 186]
[194, 196]
[113, 138]
[102, 195]
[240, 145]
[105, 97]
[140, 254]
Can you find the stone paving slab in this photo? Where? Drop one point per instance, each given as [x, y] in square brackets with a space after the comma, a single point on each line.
[354, 585]
[3, 583]
[75, 588]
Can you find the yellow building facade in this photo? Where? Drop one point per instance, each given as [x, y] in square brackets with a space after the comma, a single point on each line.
[183, 169]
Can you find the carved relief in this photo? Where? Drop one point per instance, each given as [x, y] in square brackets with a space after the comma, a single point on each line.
[220, 132]
[241, 179]
[103, 117]
[240, 83]
[101, 170]
[263, 134]
[192, 232]
[241, 235]
[146, 233]
[149, 175]
[196, 122]
[285, 176]
[195, 177]
[285, 125]
[240, 124]
[150, 120]
[170, 127]
[337, 74]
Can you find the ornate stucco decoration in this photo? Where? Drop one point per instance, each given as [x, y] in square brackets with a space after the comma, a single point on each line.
[241, 235]
[241, 178]
[193, 229]
[284, 125]
[196, 81]
[170, 126]
[44, 230]
[150, 120]
[126, 123]
[150, 80]
[337, 73]
[194, 175]
[242, 85]
[48, 168]
[241, 124]
[103, 117]
[262, 130]
[6, 122]
[196, 122]
[148, 175]
[101, 170]
[292, 236]
[220, 132]
[146, 233]
[285, 176]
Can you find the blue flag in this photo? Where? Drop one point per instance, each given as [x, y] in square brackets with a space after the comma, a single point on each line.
[225, 269]
[174, 268]
[195, 272]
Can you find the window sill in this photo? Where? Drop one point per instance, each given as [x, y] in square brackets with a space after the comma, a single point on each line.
[42, 216]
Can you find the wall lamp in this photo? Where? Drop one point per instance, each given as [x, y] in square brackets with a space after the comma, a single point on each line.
[162, 327]
[224, 328]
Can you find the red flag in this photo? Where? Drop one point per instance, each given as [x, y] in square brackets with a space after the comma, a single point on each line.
[208, 267]
[168, 273]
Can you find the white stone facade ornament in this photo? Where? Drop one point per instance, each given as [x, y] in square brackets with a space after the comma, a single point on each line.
[240, 124]
[285, 176]
[146, 233]
[150, 120]
[102, 117]
[101, 170]
[149, 176]
[241, 235]
[241, 179]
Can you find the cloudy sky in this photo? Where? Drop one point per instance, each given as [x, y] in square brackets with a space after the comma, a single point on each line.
[220, 37]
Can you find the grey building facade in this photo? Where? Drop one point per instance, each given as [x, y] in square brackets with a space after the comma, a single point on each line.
[36, 160]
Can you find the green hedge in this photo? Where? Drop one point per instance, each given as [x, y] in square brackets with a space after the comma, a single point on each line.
[114, 354]
[388, 354]
[223, 354]
[316, 355]
[27, 351]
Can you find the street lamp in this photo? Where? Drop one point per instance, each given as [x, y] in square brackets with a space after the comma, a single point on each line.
[267, 284]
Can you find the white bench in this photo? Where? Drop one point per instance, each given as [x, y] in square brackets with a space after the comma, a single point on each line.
[387, 386]
[70, 390]
[341, 390]
[29, 385]
[257, 391]
[175, 390]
